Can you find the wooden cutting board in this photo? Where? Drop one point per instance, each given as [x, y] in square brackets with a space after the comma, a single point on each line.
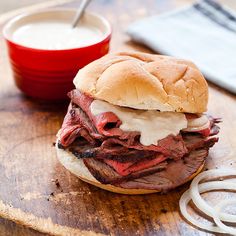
[37, 192]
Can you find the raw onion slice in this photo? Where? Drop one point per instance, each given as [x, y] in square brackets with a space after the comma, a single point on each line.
[227, 229]
[201, 203]
[197, 124]
[205, 187]
[195, 129]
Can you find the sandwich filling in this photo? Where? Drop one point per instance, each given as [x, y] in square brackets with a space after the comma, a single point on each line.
[152, 125]
[134, 148]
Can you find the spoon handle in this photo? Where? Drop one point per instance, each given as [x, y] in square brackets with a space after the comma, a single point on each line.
[80, 12]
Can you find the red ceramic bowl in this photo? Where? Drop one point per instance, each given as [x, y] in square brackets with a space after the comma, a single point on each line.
[48, 74]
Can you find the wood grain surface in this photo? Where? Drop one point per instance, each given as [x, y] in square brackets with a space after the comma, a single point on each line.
[36, 191]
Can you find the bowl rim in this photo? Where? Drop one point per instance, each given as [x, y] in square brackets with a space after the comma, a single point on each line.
[16, 18]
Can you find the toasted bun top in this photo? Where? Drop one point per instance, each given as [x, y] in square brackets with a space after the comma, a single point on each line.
[145, 81]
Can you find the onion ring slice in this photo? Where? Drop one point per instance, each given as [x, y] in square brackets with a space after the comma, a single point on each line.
[227, 229]
[204, 187]
[201, 203]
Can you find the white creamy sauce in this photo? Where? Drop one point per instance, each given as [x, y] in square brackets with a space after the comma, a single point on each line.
[56, 35]
[152, 125]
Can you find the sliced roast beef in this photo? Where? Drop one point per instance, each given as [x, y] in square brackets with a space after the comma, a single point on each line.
[76, 123]
[107, 175]
[175, 174]
[101, 171]
[118, 150]
[195, 141]
[119, 153]
[106, 123]
[127, 168]
[125, 161]
[172, 146]
[163, 177]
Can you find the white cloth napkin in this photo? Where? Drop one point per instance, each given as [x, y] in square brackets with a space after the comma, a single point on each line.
[204, 33]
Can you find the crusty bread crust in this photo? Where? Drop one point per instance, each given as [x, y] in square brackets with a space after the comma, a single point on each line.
[145, 81]
[77, 167]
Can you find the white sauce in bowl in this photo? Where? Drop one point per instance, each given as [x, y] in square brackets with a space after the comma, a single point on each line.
[51, 35]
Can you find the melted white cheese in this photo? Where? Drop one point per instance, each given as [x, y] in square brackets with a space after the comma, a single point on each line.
[56, 35]
[152, 125]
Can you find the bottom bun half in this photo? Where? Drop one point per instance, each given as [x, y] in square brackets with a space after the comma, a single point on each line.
[77, 167]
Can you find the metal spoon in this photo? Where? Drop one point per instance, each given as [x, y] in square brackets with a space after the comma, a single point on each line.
[80, 12]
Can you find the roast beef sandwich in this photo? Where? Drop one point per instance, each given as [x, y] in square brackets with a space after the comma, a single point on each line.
[137, 124]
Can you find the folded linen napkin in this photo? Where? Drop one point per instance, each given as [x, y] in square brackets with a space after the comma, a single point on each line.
[204, 32]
